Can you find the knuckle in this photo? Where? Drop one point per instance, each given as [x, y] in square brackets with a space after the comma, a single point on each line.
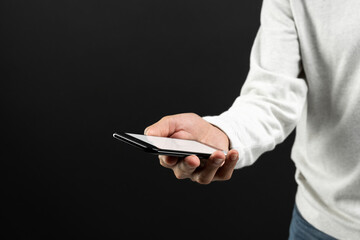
[203, 180]
[191, 114]
[225, 176]
[166, 118]
[180, 175]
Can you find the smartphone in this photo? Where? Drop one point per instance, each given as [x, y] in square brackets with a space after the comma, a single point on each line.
[167, 146]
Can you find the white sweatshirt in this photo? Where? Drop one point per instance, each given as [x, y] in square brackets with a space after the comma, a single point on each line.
[305, 73]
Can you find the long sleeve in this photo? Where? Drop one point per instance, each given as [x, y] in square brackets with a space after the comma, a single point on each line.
[273, 95]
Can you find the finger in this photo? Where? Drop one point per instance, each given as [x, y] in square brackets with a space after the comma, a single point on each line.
[205, 175]
[165, 127]
[226, 171]
[168, 161]
[186, 167]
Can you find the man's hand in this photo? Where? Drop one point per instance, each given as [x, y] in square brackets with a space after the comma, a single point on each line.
[193, 127]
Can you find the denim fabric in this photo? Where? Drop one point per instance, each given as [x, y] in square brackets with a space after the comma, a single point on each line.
[300, 229]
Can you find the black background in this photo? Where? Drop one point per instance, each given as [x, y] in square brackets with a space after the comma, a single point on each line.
[73, 72]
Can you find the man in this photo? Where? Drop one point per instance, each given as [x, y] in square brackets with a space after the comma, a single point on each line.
[304, 73]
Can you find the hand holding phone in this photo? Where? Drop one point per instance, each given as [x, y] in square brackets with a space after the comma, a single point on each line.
[184, 161]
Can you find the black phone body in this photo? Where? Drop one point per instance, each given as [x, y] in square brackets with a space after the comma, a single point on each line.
[167, 146]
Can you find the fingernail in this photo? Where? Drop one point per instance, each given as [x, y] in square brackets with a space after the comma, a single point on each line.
[219, 161]
[234, 157]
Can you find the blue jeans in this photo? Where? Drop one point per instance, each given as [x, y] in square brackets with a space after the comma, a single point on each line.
[300, 229]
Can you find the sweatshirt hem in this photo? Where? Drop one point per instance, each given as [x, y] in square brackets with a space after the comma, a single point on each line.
[322, 221]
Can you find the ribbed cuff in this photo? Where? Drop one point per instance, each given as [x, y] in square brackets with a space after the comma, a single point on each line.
[227, 128]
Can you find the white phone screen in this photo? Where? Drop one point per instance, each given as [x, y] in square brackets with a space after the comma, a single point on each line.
[175, 144]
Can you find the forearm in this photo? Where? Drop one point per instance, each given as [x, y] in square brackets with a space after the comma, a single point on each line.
[273, 95]
[263, 116]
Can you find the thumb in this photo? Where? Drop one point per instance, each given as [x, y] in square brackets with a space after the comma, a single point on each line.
[163, 128]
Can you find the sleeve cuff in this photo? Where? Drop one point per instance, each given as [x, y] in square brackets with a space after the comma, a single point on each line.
[235, 143]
